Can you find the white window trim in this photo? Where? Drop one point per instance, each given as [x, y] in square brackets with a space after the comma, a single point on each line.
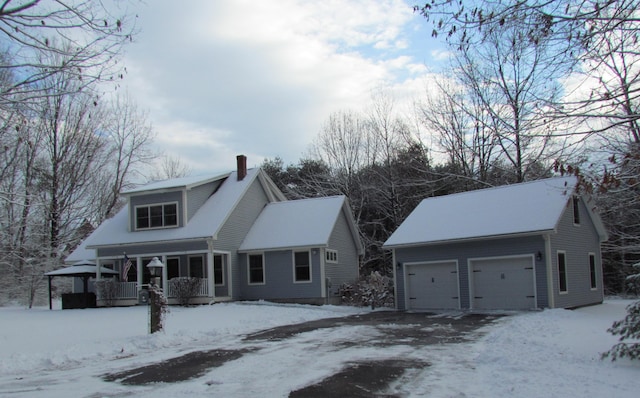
[293, 261]
[595, 270]
[148, 206]
[331, 253]
[566, 271]
[264, 273]
[224, 276]
[204, 265]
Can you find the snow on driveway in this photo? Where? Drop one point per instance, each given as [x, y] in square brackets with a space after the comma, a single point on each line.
[66, 353]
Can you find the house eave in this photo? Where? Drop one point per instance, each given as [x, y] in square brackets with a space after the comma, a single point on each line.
[283, 248]
[152, 242]
[469, 239]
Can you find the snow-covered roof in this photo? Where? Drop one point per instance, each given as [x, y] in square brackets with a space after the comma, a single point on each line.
[83, 269]
[80, 253]
[529, 207]
[295, 223]
[205, 223]
[182, 182]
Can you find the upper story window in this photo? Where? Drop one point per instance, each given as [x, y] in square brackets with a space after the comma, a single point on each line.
[157, 216]
[576, 210]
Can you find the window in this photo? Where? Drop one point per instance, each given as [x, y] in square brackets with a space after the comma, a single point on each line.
[592, 271]
[576, 210]
[331, 256]
[218, 271]
[302, 266]
[562, 272]
[173, 267]
[197, 267]
[157, 216]
[256, 269]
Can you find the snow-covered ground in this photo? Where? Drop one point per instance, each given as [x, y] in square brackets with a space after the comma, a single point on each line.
[552, 353]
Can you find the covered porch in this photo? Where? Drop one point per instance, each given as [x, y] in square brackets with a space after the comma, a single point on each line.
[211, 270]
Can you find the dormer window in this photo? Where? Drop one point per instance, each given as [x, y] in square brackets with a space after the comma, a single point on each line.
[157, 216]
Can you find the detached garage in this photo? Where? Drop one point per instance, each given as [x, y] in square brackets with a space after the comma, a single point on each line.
[516, 247]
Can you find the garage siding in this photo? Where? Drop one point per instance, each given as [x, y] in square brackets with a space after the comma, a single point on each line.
[462, 252]
[577, 241]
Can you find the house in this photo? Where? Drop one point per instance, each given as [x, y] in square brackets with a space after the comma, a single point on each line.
[236, 232]
[515, 247]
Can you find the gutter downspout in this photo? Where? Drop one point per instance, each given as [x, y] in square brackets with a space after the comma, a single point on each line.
[395, 278]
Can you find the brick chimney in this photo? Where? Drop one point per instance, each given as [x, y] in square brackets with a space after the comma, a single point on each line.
[242, 167]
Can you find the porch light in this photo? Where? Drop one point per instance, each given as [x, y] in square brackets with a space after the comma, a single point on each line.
[155, 267]
[539, 256]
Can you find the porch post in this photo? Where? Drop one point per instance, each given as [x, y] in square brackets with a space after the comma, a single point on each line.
[98, 273]
[139, 271]
[165, 273]
[50, 304]
[210, 275]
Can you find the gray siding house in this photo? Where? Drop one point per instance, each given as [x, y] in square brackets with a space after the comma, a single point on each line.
[236, 232]
[522, 246]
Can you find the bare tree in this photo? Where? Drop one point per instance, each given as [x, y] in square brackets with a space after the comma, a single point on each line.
[169, 167]
[86, 34]
[587, 37]
[128, 133]
[461, 125]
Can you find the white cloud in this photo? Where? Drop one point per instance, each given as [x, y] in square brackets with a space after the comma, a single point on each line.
[261, 77]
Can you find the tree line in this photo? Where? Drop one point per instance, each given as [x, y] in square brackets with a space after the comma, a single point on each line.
[68, 146]
[533, 89]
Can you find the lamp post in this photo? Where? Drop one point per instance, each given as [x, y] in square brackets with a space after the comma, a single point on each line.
[155, 267]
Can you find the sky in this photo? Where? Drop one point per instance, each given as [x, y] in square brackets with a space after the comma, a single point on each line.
[259, 78]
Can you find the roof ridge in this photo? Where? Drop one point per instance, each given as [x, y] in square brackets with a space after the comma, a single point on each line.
[505, 186]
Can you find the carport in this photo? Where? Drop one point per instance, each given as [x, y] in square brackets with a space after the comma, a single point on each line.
[82, 269]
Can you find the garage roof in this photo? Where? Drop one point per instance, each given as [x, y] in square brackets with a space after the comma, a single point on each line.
[507, 210]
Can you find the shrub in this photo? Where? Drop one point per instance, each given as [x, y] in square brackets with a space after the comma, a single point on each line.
[184, 288]
[106, 291]
[373, 290]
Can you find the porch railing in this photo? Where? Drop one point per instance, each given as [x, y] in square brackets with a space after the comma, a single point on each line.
[203, 289]
[125, 290]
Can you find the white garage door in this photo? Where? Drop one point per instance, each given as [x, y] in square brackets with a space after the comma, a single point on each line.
[503, 283]
[432, 286]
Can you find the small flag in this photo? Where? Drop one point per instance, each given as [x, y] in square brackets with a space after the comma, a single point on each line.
[125, 268]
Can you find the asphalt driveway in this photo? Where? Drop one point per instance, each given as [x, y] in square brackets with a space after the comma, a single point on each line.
[355, 378]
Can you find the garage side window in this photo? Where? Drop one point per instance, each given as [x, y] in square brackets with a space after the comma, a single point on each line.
[562, 272]
[592, 271]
